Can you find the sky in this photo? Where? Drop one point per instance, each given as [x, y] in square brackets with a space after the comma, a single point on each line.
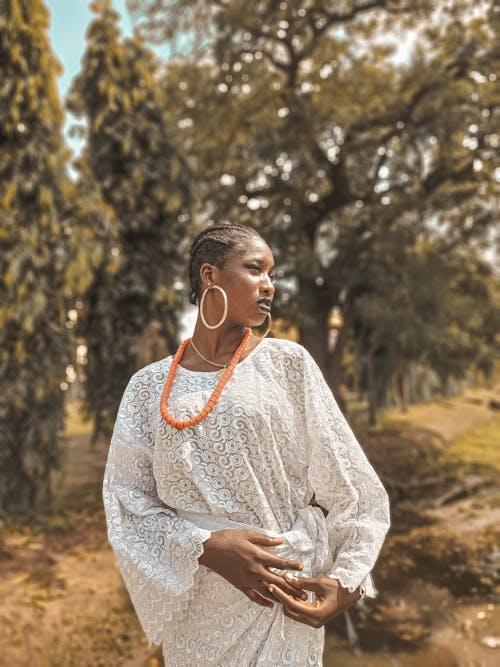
[68, 24]
[69, 21]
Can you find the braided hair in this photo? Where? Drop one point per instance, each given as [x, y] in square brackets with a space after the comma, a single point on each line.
[213, 245]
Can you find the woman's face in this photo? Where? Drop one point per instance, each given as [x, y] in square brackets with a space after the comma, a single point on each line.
[248, 282]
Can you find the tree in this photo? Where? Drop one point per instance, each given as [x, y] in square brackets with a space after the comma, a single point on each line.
[330, 145]
[34, 251]
[442, 315]
[132, 164]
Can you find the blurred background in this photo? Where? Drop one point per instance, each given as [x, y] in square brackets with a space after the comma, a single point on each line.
[361, 138]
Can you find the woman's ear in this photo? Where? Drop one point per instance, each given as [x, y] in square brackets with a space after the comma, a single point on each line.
[207, 274]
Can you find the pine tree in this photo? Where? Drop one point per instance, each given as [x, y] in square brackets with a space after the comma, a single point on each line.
[133, 163]
[34, 250]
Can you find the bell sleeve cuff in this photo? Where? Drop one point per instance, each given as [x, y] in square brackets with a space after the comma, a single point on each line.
[157, 551]
[345, 484]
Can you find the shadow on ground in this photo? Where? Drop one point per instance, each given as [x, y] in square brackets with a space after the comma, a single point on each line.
[63, 603]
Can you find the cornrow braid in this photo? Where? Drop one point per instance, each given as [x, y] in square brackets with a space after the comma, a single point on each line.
[213, 245]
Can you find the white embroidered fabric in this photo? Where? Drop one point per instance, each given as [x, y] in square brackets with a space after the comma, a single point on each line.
[275, 438]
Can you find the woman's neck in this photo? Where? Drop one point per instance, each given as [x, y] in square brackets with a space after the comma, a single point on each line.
[216, 345]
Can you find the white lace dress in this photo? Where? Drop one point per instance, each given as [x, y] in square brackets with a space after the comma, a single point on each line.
[275, 438]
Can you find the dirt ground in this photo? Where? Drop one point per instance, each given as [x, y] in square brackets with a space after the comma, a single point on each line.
[63, 603]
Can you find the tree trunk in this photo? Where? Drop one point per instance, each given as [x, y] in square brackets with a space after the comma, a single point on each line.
[372, 390]
[403, 385]
[336, 372]
[312, 321]
[315, 339]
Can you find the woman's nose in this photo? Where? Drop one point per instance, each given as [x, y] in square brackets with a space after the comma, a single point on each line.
[268, 283]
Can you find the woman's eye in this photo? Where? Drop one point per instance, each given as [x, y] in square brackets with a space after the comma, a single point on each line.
[257, 268]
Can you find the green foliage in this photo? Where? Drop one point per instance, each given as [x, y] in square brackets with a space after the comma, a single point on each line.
[368, 173]
[137, 192]
[34, 252]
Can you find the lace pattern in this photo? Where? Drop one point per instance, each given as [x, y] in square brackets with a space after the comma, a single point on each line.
[275, 437]
[157, 552]
[346, 485]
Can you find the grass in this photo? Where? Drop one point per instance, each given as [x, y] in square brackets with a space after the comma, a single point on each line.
[479, 446]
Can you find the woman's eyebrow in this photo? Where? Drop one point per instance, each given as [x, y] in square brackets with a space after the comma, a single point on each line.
[258, 261]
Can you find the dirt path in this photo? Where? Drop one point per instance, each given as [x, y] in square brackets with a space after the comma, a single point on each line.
[446, 418]
[62, 600]
[63, 603]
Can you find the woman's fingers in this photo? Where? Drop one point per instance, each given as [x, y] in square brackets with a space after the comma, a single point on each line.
[327, 602]
[309, 583]
[305, 612]
[297, 606]
[271, 560]
[275, 579]
[280, 563]
[293, 580]
[257, 597]
[264, 540]
[292, 614]
[261, 593]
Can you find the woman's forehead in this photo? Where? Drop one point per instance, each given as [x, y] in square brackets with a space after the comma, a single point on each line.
[257, 249]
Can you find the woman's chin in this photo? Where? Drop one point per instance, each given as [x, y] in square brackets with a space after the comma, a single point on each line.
[253, 323]
[256, 319]
[259, 322]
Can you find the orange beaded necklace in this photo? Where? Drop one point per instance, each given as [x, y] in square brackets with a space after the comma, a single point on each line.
[179, 425]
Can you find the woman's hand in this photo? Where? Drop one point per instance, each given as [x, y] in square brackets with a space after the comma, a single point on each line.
[238, 556]
[331, 599]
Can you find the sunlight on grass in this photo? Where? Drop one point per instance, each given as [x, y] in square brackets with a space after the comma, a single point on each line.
[479, 446]
[417, 414]
[75, 422]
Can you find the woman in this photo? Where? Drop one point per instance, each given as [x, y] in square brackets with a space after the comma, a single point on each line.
[215, 457]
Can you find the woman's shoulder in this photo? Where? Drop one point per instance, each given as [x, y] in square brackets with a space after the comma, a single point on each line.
[151, 373]
[283, 348]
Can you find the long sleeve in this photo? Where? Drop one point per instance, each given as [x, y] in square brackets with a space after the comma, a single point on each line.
[157, 551]
[345, 484]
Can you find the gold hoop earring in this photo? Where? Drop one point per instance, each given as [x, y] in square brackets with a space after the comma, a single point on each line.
[269, 319]
[224, 314]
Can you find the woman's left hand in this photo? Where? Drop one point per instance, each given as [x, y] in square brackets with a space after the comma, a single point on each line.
[331, 599]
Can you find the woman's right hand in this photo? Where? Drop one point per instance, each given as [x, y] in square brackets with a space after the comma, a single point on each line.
[238, 556]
